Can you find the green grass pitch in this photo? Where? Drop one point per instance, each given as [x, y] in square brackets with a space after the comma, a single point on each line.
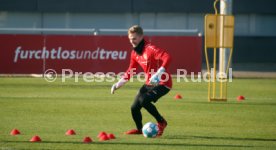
[37, 107]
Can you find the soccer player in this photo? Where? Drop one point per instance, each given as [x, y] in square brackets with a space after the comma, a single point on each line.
[154, 62]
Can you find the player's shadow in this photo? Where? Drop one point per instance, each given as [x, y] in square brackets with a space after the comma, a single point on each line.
[138, 144]
[232, 103]
[219, 138]
[179, 144]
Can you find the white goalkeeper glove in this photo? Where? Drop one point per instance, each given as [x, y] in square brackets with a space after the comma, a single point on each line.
[117, 85]
[155, 78]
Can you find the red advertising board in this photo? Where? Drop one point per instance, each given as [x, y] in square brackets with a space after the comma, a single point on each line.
[26, 54]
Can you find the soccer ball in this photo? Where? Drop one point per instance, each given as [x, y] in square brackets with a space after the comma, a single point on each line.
[150, 130]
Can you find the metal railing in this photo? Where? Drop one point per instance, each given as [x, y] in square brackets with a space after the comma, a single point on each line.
[46, 31]
[151, 31]
[93, 31]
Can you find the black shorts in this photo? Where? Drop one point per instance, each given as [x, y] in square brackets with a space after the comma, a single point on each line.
[153, 93]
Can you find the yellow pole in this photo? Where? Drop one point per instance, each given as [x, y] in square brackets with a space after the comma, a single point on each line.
[215, 7]
[208, 70]
[227, 69]
[221, 78]
[215, 55]
[214, 25]
[214, 72]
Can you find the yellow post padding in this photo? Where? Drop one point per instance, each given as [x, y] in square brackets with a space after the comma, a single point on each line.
[219, 33]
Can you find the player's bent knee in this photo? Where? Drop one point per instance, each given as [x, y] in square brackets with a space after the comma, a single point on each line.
[134, 107]
[143, 100]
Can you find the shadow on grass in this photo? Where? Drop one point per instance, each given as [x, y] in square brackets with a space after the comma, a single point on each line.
[136, 144]
[221, 138]
[59, 84]
[232, 103]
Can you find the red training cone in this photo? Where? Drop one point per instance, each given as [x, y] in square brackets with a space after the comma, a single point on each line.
[240, 98]
[35, 139]
[15, 132]
[101, 134]
[87, 140]
[70, 132]
[104, 138]
[177, 96]
[111, 136]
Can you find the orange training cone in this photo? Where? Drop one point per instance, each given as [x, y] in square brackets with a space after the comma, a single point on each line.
[240, 98]
[111, 136]
[101, 134]
[104, 138]
[35, 139]
[15, 132]
[87, 140]
[70, 132]
[177, 96]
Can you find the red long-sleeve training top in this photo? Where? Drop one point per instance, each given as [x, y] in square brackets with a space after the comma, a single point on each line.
[151, 60]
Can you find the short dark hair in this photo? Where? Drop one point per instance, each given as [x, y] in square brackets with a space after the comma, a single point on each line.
[136, 29]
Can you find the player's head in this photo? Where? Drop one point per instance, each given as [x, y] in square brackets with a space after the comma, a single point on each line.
[135, 35]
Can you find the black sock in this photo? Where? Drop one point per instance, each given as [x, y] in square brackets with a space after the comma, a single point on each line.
[153, 111]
